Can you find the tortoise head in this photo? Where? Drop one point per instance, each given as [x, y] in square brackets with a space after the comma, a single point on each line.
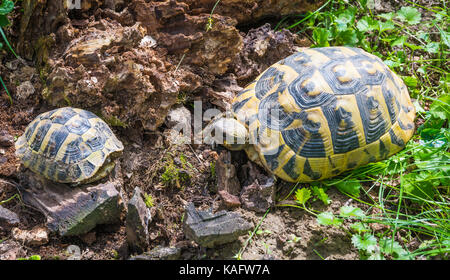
[226, 131]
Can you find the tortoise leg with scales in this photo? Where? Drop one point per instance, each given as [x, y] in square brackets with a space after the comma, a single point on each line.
[318, 113]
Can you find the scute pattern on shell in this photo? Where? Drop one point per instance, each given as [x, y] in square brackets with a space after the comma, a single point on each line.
[67, 145]
[322, 111]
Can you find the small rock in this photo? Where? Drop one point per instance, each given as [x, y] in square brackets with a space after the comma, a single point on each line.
[178, 121]
[259, 195]
[73, 211]
[227, 181]
[6, 139]
[74, 252]
[8, 218]
[138, 218]
[147, 42]
[35, 237]
[209, 230]
[25, 90]
[160, 253]
[229, 200]
[10, 250]
[179, 115]
[13, 64]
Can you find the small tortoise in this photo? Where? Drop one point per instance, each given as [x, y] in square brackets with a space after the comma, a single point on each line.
[69, 145]
[318, 113]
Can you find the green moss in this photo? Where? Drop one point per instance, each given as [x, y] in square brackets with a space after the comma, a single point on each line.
[115, 121]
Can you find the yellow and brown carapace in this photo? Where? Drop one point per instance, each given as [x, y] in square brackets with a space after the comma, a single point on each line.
[68, 145]
[337, 108]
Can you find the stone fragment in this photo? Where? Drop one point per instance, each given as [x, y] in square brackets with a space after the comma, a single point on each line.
[138, 218]
[228, 185]
[6, 139]
[73, 210]
[10, 250]
[180, 117]
[25, 90]
[229, 200]
[34, 237]
[160, 253]
[8, 218]
[259, 193]
[74, 252]
[258, 197]
[211, 229]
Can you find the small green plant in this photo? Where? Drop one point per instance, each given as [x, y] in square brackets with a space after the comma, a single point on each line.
[212, 168]
[210, 23]
[251, 235]
[368, 245]
[148, 199]
[174, 175]
[115, 121]
[30, 258]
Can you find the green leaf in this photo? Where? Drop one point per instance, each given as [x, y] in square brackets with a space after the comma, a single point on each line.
[320, 36]
[320, 193]
[410, 81]
[359, 227]
[363, 25]
[386, 25]
[31, 258]
[392, 64]
[418, 184]
[419, 108]
[347, 38]
[302, 195]
[399, 41]
[328, 219]
[349, 187]
[413, 47]
[393, 248]
[445, 37]
[432, 47]
[6, 7]
[423, 36]
[4, 21]
[367, 243]
[440, 108]
[350, 211]
[409, 14]
[387, 16]
[375, 257]
[345, 18]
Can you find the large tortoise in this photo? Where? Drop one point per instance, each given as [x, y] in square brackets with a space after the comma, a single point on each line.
[318, 113]
[69, 145]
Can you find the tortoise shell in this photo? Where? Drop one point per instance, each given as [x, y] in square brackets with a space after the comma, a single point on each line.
[68, 145]
[322, 111]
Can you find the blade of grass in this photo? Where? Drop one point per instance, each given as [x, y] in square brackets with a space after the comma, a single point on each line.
[310, 15]
[7, 43]
[6, 89]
